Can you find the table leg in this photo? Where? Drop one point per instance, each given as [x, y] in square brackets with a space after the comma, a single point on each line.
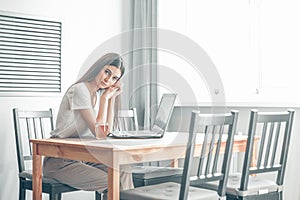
[174, 163]
[37, 174]
[113, 183]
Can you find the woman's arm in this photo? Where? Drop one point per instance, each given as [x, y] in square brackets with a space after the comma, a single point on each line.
[89, 117]
[103, 109]
[105, 112]
[113, 92]
[110, 113]
[101, 118]
[118, 86]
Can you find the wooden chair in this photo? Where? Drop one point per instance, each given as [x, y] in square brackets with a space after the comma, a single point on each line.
[29, 125]
[255, 182]
[146, 173]
[210, 166]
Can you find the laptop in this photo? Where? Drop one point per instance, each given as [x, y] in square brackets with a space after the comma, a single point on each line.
[159, 127]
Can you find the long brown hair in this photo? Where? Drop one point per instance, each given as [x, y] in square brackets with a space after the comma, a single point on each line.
[112, 59]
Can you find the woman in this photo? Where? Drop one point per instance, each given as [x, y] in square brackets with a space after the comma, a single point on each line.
[77, 118]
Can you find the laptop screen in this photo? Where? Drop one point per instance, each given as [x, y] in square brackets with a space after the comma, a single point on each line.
[164, 111]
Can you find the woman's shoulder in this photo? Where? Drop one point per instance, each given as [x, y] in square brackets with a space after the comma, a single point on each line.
[78, 87]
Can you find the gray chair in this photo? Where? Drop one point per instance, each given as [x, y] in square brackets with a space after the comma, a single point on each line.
[256, 180]
[31, 125]
[146, 173]
[210, 165]
[127, 120]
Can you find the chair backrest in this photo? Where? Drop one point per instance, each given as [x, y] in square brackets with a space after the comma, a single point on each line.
[127, 120]
[216, 130]
[30, 125]
[274, 130]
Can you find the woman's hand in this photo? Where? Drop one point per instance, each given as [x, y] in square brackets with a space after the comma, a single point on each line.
[113, 91]
[119, 86]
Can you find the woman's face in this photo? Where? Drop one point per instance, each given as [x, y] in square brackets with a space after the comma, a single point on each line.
[108, 76]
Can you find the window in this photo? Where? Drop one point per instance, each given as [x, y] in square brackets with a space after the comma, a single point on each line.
[30, 54]
[254, 48]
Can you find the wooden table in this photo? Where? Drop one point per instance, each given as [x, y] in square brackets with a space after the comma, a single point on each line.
[113, 153]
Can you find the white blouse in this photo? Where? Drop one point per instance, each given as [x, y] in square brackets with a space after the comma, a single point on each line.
[69, 122]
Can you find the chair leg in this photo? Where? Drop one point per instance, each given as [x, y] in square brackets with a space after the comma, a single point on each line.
[280, 196]
[98, 196]
[22, 191]
[53, 196]
[22, 194]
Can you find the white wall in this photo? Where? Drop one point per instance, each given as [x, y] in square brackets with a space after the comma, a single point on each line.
[85, 25]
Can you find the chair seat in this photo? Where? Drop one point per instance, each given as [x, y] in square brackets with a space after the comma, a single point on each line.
[256, 186]
[150, 175]
[49, 185]
[167, 191]
[148, 172]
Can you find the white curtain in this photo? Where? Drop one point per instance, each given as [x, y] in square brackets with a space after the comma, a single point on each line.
[140, 21]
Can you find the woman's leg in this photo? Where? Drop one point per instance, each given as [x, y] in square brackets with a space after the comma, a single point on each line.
[84, 176]
[76, 174]
[126, 181]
